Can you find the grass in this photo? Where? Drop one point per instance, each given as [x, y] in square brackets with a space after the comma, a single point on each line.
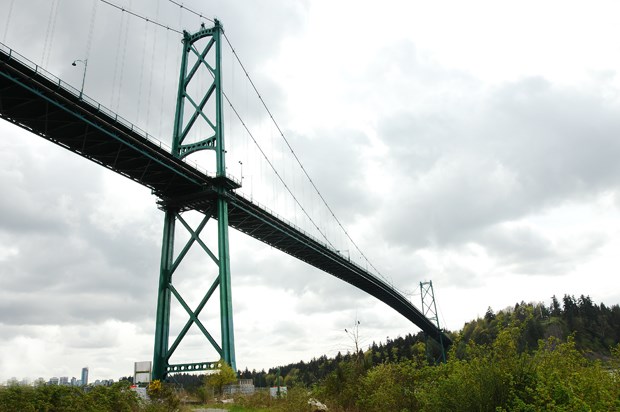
[297, 400]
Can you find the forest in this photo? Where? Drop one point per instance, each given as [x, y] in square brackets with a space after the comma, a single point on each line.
[595, 330]
[564, 356]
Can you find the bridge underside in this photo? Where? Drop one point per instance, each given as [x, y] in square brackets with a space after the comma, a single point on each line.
[39, 103]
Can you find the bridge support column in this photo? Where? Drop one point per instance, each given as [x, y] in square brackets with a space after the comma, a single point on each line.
[162, 325]
[226, 312]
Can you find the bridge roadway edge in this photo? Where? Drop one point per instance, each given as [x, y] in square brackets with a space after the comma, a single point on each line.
[46, 108]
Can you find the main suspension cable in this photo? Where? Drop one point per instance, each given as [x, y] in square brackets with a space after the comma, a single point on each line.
[124, 10]
[192, 11]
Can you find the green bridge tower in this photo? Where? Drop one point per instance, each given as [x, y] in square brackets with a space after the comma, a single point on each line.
[199, 99]
[429, 309]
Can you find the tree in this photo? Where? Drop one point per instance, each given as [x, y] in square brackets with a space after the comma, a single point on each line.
[556, 309]
[292, 377]
[163, 395]
[490, 315]
[225, 376]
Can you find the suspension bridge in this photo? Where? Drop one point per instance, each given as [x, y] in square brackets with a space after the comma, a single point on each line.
[41, 103]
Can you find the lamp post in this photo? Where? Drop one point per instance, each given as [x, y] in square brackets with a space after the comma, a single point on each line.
[241, 166]
[85, 63]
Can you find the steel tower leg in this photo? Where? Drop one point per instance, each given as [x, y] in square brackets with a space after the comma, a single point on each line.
[194, 50]
[226, 313]
[162, 325]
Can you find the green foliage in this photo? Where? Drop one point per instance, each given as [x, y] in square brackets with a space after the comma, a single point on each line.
[292, 378]
[499, 376]
[118, 397]
[163, 397]
[523, 359]
[596, 327]
[342, 386]
[295, 401]
[390, 387]
[225, 376]
[307, 374]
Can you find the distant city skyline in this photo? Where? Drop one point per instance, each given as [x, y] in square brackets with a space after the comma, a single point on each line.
[60, 380]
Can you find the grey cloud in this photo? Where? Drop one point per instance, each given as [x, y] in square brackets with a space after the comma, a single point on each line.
[76, 308]
[334, 297]
[524, 250]
[529, 146]
[52, 266]
[518, 244]
[560, 141]
[337, 161]
[39, 193]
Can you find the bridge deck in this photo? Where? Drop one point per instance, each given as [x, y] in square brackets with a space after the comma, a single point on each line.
[42, 104]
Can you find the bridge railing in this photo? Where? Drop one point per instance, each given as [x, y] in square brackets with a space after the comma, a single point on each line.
[321, 242]
[13, 55]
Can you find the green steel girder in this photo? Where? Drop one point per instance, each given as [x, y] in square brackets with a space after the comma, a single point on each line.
[194, 319]
[193, 367]
[190, 322]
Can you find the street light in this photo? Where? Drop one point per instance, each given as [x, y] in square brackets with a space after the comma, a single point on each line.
[85, 63]
[241, 163]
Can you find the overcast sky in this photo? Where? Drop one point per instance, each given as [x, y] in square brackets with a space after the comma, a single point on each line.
[474, 144]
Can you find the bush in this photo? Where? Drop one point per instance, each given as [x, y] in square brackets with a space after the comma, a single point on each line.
[69, 399]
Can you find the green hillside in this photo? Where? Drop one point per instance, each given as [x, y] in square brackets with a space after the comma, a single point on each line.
[530, 357]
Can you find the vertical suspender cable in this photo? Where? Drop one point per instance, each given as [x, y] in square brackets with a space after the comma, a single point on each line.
[163, 89]
[118, 48]
[93, 16]
[51, 23]
[146, 27]
[120, 85]
[151, 70]
[8, 21]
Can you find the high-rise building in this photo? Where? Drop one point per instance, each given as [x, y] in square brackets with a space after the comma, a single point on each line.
[64, 380]
[85, 376]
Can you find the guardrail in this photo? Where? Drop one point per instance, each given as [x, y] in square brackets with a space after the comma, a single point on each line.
[13, 55]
